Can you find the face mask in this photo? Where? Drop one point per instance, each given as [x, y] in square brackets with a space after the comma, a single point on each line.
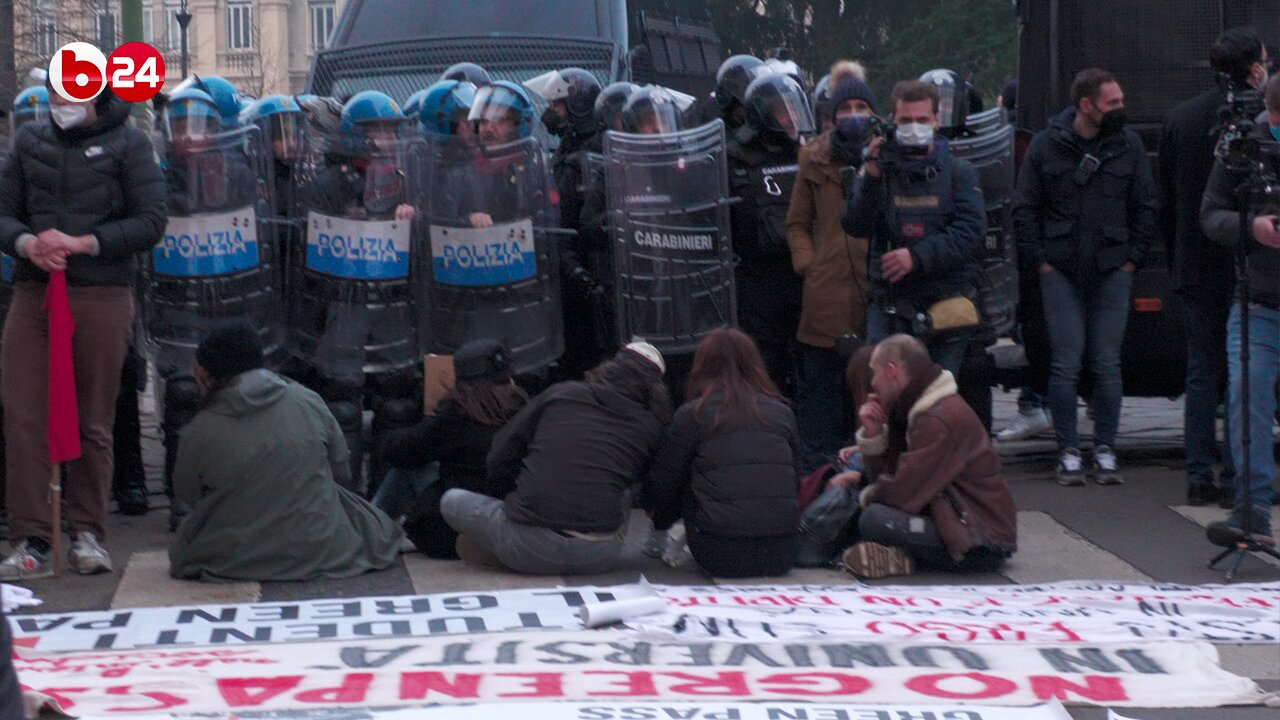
[68, 116]
[556, 123]
[1113, 121]
[853, 127]
[914, 134]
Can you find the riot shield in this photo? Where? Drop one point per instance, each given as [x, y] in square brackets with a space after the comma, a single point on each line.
[488, 264]
[669, 227]
[991, 151]
[217, 261]
[351, 309]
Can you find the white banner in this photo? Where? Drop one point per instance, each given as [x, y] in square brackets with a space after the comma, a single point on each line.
[1011, 614]
[663, 711]
[613, 666]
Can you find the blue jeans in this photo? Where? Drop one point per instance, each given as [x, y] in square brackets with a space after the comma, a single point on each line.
[823, 399]
[1264, 365]
[947, 352]
[1084, 316]
[400, 491]
[1206, 387]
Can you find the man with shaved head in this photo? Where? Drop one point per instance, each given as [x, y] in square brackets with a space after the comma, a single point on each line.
[936, 492]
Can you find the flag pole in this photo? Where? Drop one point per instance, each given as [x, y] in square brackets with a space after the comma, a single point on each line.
[55, 497]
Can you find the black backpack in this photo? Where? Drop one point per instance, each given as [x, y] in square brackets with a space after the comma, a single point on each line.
[827, 526]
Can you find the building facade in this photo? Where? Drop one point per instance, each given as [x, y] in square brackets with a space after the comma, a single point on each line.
[263, 46]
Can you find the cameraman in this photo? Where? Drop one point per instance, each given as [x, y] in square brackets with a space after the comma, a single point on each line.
[1084, 215]
[923, 210]
[1203, 273]
[1220, 218]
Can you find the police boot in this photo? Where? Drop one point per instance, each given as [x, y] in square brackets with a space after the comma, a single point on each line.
[389, 415]
[129, 483]
[350, 417]
[181, 402]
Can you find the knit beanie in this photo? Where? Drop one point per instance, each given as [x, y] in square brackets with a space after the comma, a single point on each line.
[848, 82]
[231, 349]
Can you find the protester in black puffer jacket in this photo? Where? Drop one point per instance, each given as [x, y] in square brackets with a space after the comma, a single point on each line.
[81, 194]
[730, 464]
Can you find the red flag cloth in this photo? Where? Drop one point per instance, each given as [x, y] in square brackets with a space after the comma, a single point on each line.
[64, 416]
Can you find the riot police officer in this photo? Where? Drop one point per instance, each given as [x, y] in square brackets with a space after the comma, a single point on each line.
[412, 106]
[30, 105]
[225, 96]
[468, 72]
[762, 172]
[279, 120]
[959, 100]
[732, 80]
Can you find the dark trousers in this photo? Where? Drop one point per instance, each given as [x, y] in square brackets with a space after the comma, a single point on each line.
[918, 535]
[1207, 313]
[127, 433]
[104, 326]
[823, 402]
[740, 557]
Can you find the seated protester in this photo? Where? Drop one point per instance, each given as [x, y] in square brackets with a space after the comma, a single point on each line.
[857, 374]
[937, 494]
[457, 435]
[730, 463]
[261, 467]
[572, 452]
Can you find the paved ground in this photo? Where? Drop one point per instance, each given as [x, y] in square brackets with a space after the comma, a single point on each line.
[1135, 532]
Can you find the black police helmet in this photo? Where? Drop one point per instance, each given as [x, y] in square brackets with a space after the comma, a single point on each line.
[732, 79]
[468, 72]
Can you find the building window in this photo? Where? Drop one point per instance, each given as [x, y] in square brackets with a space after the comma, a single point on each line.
[148, 26]
[239, 26]
[322, 15]
[172, 28]
[106, 30]
[46, 22]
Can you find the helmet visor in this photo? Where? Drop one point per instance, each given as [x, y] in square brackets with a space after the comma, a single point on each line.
[28, 114]
[788, 113]
[284, 132]
[654, 119]
[496, 105]
[191, 121]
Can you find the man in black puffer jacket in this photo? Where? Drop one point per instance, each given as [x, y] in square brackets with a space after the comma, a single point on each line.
[81, 195]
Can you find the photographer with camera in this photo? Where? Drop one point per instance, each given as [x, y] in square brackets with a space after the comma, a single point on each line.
[1220, 218]
[922, 208]
[1084, 215]
[1202, 271]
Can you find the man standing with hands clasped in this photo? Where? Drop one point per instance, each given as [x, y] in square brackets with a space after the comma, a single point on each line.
[83, 195]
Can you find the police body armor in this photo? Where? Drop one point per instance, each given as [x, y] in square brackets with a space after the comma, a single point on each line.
[487, 264]
[351, 307]
[669, 230]
[989, 146]
[217, 260]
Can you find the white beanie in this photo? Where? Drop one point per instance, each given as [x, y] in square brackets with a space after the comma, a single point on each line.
[648, 352]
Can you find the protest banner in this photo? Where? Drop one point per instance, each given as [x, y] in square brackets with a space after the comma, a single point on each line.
[1063, 612]
[612, 666]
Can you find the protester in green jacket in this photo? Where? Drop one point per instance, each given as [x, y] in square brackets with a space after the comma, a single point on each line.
[262, 467]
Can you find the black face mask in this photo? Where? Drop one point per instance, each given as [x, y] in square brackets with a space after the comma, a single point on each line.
[1113, 121]
[556, 123]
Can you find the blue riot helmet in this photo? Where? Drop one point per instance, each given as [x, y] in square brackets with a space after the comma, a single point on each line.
[225, 96]
[280, 119]
[190, 118]
[30, 105]
[609, 104]
[413, 104]
[446, 106]
[502, 113]
[373, 117]
[468, 72]
[305, 98]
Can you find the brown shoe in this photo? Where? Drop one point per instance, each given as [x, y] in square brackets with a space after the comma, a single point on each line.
[872, 560]
[475, 555]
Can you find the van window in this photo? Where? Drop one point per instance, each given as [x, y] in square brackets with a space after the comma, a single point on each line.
[385, 20]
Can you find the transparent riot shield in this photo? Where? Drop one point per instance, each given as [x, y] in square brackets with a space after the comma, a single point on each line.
[488, 264]
[350, 305]
[217, 261]
[669, 224]
[991, 150]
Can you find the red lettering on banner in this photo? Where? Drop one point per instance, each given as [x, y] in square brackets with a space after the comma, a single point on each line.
[541, 685]
[1069, 634]
[60, 695]
[245, 692]
[353, 689]
[417, 685]
[164, 699]
[802, 684]
[637, 684]
[1096, 688]
[993, 687]
[733, 684]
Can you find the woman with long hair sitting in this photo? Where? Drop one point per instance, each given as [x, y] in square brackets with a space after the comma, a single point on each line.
[729, 464]
[572, 454]
[457, 435]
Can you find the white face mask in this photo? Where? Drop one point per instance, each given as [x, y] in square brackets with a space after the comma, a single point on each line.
[914, 134]
[68, 116]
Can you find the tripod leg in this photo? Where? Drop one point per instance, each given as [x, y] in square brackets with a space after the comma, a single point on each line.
[1235, 564]
[1213, 564]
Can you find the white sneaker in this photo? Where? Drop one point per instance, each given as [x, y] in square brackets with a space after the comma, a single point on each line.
[656, 545]
[1105, 468]
[1025, 425]
[1070, 470]
[87, 556]
[25, 563]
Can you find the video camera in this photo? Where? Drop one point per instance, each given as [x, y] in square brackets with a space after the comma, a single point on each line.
[1239, 145]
